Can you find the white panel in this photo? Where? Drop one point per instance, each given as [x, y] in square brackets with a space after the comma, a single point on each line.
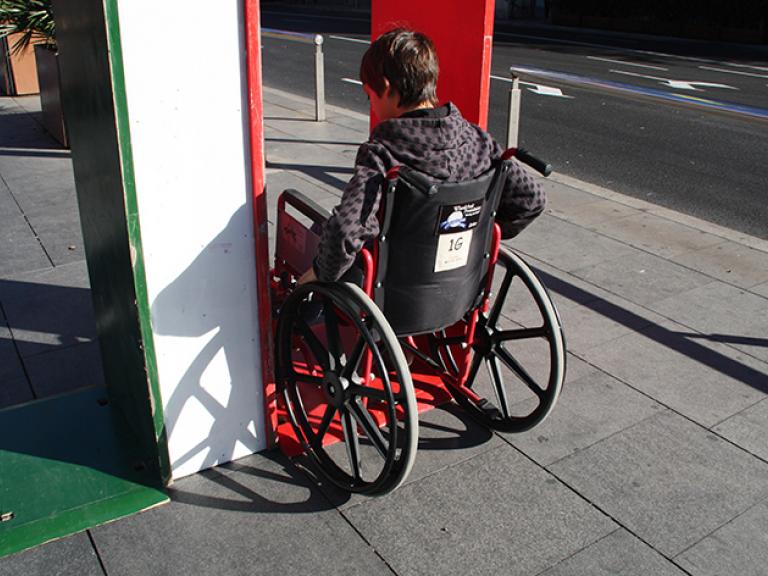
[186, 93]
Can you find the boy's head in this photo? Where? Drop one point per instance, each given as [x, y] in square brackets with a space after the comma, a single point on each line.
[405, 61]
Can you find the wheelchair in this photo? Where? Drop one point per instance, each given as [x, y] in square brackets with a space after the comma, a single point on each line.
[440, 298]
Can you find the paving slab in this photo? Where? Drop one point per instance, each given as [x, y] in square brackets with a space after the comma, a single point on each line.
[619, 553]
[591, 317]
[59, 230]
[589, 409]
[65, 369]
[20, 250]
[657, 235]
[747, 429]
[20, 128]
[562, 199]
[740, 547]
[707, 382]
[589, 214]
[73, 556]
[567, 246]
[497, 513]
[49, 308]
[730, 262]
[643, 278]
[258, 515]
[667, 480]
[722, 313]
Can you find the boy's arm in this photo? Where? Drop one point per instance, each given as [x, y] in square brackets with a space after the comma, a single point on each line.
[353, 222]
[522, 200]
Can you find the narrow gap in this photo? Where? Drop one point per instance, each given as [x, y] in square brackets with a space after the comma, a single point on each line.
[96, 551]
[731, 521]
[29, 224]
[18, 353]
[364, 539]
[576, 552]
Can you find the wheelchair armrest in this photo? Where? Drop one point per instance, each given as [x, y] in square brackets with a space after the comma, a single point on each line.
[303, 204]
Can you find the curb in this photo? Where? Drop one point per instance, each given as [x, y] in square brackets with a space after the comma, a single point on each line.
[666, 213]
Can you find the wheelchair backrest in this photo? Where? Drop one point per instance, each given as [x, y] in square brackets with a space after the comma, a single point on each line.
[433, 248]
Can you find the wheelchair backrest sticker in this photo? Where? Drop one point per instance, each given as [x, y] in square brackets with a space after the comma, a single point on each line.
[458, 217]
[452, 250]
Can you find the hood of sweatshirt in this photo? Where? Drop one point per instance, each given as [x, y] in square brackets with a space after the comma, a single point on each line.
[447, 148]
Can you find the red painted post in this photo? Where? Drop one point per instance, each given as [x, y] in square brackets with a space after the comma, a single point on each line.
[462, 31]
[256, 141]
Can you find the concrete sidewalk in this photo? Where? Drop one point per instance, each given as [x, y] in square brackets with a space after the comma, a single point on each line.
[655, 460]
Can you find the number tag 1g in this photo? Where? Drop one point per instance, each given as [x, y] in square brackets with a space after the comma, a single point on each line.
[452, 250]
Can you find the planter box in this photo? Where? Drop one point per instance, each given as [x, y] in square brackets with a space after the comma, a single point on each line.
[50, 92]
[17, 71]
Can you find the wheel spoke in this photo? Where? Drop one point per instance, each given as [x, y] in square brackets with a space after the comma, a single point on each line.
[300, 378]
[321, 354]
[371, 393]
[449, 355]
[522, 333]
[325, 423]
[368, 424]
[498, 383]
[501, 295]
[352, 442]
[515, 366]
[332, 335]
[353, 363]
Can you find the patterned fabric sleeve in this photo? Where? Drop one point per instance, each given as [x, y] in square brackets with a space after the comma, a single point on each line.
[522, 200]
[353, 222]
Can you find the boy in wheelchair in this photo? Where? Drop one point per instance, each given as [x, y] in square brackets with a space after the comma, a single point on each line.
[431, 197]
[399, 72]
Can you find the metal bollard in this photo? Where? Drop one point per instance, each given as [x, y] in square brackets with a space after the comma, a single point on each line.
[514, 112]
[319, 80]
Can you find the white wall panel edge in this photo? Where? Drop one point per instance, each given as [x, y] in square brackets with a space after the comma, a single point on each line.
[188, 119]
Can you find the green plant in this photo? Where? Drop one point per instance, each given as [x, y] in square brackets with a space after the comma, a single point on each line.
[33, 19]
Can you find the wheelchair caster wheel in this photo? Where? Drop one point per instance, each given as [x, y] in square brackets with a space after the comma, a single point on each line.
[344, 380]
[525, 359]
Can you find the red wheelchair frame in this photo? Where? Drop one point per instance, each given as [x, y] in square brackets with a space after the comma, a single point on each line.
[358, 390]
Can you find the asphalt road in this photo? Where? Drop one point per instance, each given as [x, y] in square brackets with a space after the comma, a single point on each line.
[681, 124]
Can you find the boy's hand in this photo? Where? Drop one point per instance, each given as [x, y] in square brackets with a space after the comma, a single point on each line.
[308, 276]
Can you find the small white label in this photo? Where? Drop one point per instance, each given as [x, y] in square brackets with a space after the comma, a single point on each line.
[452, 250]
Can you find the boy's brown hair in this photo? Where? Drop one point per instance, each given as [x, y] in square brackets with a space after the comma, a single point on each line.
[408, 60]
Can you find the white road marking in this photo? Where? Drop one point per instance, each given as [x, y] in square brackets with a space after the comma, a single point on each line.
[677, 84]
[540, 89]
[356, 40]
[352, 81]
[733, 71]
[627, 63]
[763, 68]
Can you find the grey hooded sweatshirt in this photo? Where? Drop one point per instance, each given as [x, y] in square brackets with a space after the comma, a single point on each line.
[445, 147]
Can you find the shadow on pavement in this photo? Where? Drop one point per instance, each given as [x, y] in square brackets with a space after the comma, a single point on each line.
[677, 341]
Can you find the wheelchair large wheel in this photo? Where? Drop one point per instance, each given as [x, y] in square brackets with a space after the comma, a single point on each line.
[520, 347]
[346, 387]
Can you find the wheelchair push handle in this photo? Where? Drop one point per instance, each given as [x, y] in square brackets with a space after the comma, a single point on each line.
[542, 167]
